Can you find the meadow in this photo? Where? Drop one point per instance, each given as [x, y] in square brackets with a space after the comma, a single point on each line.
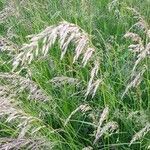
[74, 74]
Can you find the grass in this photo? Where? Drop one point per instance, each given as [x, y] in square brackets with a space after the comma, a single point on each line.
[106, 23]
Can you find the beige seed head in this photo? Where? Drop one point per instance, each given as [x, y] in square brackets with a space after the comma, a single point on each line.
[140, 134]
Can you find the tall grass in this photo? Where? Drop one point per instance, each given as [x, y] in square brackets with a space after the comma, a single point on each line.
[75, 74]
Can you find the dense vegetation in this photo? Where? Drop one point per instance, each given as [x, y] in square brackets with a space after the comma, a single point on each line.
[81, 81]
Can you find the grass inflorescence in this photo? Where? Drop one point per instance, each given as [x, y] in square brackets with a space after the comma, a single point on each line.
[74, 74]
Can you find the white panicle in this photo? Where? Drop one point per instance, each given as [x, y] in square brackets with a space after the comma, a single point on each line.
[136, 48]
[148, 33]
[9, 10]
[24, 143]
[141, 25]
[65, 33]
[137, 78]
[133, 36]
[141, 48]
[3, 91]
[140, 134]
[9, 109]
[141, 56]
[110, 126]
[82, 108]
[103, 128]
[8, 46]
[139, 117]
[102, 118]
[87, 56]
[93, 85]
[81, 45]
[21, 83]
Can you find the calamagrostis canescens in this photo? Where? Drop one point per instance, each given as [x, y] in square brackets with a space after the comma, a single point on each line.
[65, 33]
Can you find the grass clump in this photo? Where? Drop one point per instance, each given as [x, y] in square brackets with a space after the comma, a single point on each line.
[74, 75]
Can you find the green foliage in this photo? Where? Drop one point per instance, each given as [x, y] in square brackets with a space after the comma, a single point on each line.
[106, 28]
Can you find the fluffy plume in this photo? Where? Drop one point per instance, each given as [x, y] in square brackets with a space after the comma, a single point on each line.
[110, 126]
[102, 118]
[9, 109]
[65, 33]
[82, 108]
[103, 129]
[136, 48]
[140, 134]
[6, 45]
[21, 83]
[136, 80]
[133, 36]
[141, 48]
[141, 56]
[93, 85]
[141, 24]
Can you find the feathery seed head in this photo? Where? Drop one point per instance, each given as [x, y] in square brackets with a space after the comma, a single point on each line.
[140, 134]
[133, 36]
